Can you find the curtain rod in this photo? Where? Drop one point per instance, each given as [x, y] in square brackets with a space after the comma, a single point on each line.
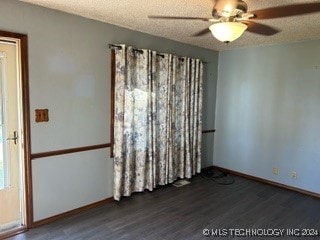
[120, 47]
[134, 49]
[112, 46]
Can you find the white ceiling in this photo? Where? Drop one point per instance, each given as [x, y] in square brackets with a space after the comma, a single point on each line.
[134, 15]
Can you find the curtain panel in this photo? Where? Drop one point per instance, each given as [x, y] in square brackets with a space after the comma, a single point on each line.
[158, 122]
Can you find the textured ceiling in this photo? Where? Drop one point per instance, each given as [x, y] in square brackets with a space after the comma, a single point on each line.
[134, 15]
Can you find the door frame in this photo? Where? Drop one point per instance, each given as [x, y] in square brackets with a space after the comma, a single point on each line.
[23, 39]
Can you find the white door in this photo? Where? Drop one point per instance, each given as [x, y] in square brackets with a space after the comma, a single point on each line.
[11, 174]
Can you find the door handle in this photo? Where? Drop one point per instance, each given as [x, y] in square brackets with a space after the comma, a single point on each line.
[15, 137]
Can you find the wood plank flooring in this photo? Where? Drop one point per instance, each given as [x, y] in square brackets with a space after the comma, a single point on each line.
[182, 213]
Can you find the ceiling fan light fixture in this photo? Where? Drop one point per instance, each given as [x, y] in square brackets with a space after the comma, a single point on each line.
[227, 31]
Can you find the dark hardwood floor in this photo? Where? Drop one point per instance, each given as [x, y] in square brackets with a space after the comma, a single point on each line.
[183, 213]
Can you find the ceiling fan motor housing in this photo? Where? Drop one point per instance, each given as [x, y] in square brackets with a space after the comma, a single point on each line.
[229, 8]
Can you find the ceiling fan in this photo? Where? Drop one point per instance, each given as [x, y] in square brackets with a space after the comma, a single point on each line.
[230, 18]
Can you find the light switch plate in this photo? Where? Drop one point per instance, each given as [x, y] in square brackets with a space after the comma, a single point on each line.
[42, 115]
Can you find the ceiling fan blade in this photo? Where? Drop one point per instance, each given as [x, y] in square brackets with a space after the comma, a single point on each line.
[261, 29]
[201, 33]
[179, 18]
[287, 11]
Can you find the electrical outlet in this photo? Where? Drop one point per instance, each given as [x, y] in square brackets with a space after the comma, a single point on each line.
[294, 174]
[275, 171]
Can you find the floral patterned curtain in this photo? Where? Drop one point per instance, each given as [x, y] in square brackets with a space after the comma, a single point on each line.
[157, 125]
